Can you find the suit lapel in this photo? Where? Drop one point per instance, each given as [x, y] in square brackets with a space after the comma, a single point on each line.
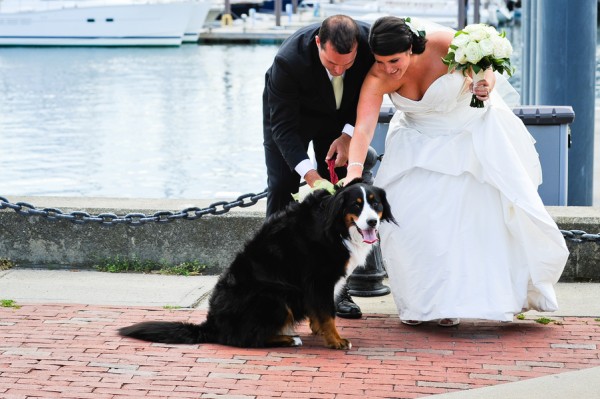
[325, 87]
[321, 78]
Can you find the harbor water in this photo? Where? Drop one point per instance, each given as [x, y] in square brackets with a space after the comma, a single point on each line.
[183, 122]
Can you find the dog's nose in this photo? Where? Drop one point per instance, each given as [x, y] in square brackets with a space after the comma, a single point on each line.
[372, 222]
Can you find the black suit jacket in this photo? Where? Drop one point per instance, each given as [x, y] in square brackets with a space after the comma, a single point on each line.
[298, 101]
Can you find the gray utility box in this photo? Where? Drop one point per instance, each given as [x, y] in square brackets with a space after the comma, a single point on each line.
[549, 126]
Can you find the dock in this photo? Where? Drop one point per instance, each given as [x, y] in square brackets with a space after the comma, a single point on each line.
[240, 34]
[258, 28]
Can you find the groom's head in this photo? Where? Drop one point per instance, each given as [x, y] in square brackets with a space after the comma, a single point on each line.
[337, 42]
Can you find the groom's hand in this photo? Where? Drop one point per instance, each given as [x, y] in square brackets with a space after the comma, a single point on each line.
[340, 146]
[311, 177]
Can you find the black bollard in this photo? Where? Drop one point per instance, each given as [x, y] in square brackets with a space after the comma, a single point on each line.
[368, 281]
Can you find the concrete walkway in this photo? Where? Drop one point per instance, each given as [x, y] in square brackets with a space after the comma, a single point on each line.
[62, 343]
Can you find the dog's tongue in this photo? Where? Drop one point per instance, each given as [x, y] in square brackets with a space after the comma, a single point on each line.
[369, 236]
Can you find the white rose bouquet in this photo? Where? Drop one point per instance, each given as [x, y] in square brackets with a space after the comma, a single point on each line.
[476, 48]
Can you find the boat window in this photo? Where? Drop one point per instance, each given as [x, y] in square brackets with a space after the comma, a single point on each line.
[91, 20]
[109, 20]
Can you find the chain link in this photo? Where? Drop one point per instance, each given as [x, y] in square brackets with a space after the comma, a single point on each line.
[191, 213]
[132, 219]
[580, 236]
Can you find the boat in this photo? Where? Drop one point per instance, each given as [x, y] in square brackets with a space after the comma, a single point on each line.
[443, 12]
[198, 18]
[236, 7]
[94, 22]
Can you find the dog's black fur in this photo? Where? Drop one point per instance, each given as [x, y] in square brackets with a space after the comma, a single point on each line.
[285, 274]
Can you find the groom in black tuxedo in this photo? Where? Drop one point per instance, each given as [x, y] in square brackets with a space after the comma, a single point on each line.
[299, 106]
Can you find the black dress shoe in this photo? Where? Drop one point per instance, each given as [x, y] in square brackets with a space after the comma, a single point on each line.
[345, 306]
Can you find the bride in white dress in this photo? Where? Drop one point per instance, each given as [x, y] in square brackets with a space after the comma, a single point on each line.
[473, 238]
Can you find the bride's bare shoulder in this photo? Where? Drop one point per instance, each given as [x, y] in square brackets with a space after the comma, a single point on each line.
[378, 81]
[441, 38]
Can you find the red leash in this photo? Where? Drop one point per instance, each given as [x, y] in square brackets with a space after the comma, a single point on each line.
[333, 177]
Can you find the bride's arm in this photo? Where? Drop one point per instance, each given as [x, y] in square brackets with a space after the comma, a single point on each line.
[369, 105]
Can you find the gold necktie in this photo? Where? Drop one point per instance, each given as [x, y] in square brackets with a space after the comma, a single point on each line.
[338, 88]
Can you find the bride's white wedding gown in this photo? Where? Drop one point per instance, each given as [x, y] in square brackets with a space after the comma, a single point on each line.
[473, 238]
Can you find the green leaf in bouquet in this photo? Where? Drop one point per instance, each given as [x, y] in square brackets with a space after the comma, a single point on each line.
[476, 68]
[448, 59]
[485, 63]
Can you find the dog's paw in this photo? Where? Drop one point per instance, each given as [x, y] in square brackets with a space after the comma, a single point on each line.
[340, 344]
[297, 341]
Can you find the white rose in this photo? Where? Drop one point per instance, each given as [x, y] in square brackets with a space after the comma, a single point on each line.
[487, 47]
[479, 34]
[472, 28]
[491, 31]
[502, 47]
[460, 56]
[473, 53]
[461, 40]
[497, 44]
[507, 48]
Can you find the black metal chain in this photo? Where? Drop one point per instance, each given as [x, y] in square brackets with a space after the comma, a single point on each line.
[191, 213]
[580, 236]
[132, 219]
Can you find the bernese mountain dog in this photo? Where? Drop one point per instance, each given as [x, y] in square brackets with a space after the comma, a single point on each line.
[287, 272]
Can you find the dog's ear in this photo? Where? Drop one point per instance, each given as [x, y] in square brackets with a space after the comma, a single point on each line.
[354, 181]
[387, 209]
[333, 211]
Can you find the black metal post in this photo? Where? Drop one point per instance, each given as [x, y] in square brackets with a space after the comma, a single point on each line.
[277, 10]
[368, 281]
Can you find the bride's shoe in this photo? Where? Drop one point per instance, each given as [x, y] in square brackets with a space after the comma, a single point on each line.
[411, 322]
[448, 322]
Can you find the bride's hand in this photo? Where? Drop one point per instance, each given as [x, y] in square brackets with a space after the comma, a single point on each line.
[481, 90]
[351, 176]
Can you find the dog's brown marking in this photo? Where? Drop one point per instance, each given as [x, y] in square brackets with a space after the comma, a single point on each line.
[325, 326]
[285, 338]
[281, 340]
[350, 219]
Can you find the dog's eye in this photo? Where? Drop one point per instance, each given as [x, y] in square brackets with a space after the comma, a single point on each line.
[356, 205]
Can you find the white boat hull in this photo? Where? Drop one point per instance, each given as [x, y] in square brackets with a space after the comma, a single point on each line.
[151, 24]
[199, 13]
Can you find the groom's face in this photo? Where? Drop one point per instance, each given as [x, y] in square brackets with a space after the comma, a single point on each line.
[333, 61]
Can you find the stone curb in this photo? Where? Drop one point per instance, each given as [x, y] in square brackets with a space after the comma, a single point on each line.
[212, 240]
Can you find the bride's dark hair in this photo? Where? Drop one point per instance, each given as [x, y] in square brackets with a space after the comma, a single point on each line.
[391, 35]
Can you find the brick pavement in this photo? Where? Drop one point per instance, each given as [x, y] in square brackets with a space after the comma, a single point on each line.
[72, 351]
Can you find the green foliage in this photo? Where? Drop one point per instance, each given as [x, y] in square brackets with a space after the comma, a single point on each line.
[136, 265]
[6, 264]
[521, 316]
[8, 303]
[544, 320]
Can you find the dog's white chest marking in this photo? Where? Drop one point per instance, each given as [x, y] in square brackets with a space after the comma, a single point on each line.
[359, 249]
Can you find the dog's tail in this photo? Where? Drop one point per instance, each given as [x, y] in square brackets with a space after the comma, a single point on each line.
[167, 332]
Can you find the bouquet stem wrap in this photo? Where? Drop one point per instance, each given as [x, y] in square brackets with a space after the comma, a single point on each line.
[475, 102]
